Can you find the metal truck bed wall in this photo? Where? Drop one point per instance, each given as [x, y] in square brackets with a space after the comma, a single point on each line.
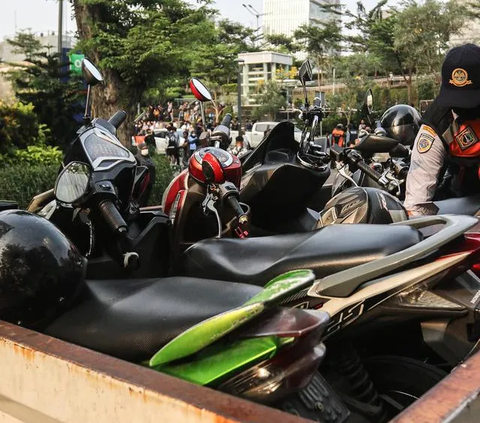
[44, 380]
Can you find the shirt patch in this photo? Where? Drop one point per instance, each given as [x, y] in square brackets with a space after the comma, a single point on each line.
[428, 129]
[466, 138]
[425, 143]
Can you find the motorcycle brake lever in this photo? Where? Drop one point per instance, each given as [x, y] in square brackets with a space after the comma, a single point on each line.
[208, 206]
[341, 170]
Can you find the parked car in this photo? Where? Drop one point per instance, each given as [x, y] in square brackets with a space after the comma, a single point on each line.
[161, 139]
[257, 133]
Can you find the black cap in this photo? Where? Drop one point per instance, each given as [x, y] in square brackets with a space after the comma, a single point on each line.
[461, 78]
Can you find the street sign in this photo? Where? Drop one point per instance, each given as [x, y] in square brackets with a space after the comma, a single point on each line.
[76, 63]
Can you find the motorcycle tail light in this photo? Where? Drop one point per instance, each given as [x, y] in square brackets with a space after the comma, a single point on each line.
[420, 297]
[270, 380]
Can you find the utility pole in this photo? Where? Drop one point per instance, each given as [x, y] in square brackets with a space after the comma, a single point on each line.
[240, 63]
[60, 27]
[257, 14]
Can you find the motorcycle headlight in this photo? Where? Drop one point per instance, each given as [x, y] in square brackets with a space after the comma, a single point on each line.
[72, 183]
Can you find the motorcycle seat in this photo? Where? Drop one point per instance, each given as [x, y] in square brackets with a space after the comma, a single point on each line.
[133, 318]
[463, 205]
[326, 251]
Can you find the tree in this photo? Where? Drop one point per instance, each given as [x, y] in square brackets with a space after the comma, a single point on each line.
[56, 96]
[350, 98]
[215, 61]
[25, 43]
[136, 43]
[269, 99]
[282, 43]
[47, 84]
[422, 33]
[321, 42]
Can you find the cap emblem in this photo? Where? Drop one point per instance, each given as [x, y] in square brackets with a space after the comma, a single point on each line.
[460, 78]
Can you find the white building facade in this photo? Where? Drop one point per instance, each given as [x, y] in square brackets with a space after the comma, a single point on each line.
[260, 67]
[286, 16]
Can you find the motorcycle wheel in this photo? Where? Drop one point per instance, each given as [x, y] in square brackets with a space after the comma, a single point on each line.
[400, 381]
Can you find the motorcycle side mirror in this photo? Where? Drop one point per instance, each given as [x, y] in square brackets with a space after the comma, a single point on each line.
[305, 74]
[200, 91]
[212, 169]
[90, 73]
[368, 104]
[92, 77]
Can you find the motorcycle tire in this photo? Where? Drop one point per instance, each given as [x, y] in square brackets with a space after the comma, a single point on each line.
[402, 379]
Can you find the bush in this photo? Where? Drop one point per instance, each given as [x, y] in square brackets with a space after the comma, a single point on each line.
[35, 155]
[164, 175]
[19, 127]
[21, 183]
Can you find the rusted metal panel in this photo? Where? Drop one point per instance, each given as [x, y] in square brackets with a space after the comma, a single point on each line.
[44, 380]
[454, 399]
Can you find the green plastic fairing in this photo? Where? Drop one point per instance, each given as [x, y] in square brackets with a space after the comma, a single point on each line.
[205, 333]
[283, 286]
[217, 362]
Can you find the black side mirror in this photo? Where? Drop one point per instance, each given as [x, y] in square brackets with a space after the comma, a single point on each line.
[305, 73]
[90, 73]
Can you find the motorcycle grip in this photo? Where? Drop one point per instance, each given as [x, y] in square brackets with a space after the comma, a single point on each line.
[237, 208]
[226, 120]
[113, 217]
[368, 170]
[118, 118]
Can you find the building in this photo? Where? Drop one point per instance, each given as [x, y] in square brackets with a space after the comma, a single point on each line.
[48, 39]
[285, 16]
[258, 68]
[470, 32]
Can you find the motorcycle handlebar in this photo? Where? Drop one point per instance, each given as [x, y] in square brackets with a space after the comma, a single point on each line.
[118, 118]
[369, 171]
[237, 208]
[113, 217]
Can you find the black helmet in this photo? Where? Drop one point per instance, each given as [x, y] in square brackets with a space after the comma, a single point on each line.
[362, 205]
[41, 271]
[402, 123]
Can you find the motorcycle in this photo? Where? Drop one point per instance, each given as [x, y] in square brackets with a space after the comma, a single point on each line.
[233, 337]
[379, 282]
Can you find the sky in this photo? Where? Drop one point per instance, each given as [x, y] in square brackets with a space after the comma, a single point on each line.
[42, 15]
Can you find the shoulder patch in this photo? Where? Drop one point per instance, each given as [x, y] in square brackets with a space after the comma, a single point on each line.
[429, 129]
[425, 143]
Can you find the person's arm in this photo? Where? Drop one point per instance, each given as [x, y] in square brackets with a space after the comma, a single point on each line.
[428, 156]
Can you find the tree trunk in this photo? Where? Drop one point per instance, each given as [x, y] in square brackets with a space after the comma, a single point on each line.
[106, 99]
[409, 87]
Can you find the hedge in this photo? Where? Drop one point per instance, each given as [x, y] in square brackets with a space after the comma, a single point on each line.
[21, 182]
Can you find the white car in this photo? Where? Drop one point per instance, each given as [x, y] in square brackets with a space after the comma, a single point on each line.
[255, 136]
[161, 143]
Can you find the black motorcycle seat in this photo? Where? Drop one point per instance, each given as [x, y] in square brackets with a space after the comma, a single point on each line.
[326, 251]
[133, 318]
[462, 205]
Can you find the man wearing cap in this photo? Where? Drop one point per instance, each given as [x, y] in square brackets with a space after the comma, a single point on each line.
[446, 154]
